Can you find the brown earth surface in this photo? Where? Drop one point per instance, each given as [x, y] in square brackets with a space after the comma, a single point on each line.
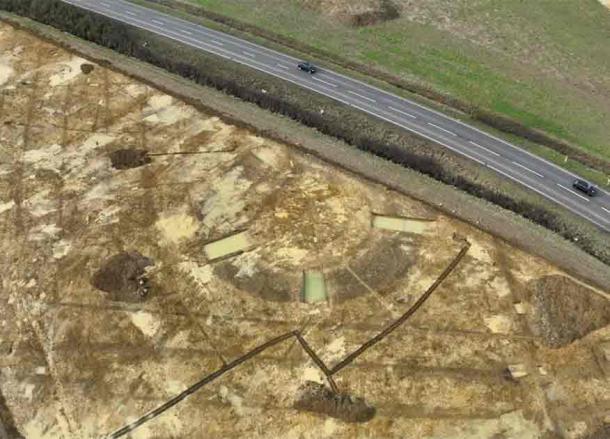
[76, 361]
[565, 310]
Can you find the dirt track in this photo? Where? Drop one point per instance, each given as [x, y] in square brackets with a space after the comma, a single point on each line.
[77, 364]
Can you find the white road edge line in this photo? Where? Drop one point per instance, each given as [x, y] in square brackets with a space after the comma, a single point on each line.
[572, 192]
[482, 147]
[473, 158]
[604, 227]
[605, 209]
[352, 80]
[402, 112]
[442, 129]
[363, 97]
[383, 118]
[528, 169]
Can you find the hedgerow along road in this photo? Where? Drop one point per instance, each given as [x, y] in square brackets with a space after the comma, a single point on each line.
[504, 158]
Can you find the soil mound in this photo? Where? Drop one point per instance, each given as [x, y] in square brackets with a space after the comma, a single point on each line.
[86, 68]
[123, 277]
[314, 397]
[355, 13]
[565, 311]
[129, 158]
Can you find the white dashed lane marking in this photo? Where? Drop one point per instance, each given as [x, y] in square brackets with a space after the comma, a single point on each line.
[360, 96]
[573, 193]
[483, 148]
[403, 112]
[442, 129]
[528, 169]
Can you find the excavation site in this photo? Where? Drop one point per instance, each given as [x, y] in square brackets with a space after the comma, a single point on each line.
[166, 273]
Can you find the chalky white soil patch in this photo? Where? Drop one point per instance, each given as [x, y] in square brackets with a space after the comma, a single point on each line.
[177, 227]
[66, 71]
[6, 70]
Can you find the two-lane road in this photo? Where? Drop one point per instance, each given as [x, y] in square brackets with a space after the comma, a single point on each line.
[498, 155]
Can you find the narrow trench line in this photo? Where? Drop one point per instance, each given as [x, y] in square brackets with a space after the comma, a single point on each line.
[295, 333]
[393, 326]
[160, 154]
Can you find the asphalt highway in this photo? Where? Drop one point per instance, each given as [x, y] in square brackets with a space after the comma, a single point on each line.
[506, 159]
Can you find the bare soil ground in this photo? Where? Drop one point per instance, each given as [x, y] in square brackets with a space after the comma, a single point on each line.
[76, 362]
[566, 311]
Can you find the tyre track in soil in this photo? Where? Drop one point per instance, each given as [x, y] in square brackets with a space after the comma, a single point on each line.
[354, 326]
[22, 231]
[518, 295]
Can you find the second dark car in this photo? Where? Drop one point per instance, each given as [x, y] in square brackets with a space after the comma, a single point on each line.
[585, 186]
[307, 67]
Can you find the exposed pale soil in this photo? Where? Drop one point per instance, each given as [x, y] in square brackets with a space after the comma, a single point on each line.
[80, 362]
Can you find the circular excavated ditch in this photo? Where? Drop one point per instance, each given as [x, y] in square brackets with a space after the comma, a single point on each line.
[123, 277]
[313, 224]
[565, 311]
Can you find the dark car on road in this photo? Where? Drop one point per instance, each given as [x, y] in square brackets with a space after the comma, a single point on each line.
[307, 67]
[585, 186]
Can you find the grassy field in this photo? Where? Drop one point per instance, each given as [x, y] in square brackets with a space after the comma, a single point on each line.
[544, 63]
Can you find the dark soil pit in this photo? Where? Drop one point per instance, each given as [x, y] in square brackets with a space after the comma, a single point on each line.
[129, 158]
[264, 283]
[123, 277]
[316, 398]
[382, 266]
[564, 311]
[86, 68]
[8, 429]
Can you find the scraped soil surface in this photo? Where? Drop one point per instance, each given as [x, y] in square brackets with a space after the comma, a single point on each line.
[123, 277]
[315, 397]
[78, 361]
[129, 158]
[565, 310]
